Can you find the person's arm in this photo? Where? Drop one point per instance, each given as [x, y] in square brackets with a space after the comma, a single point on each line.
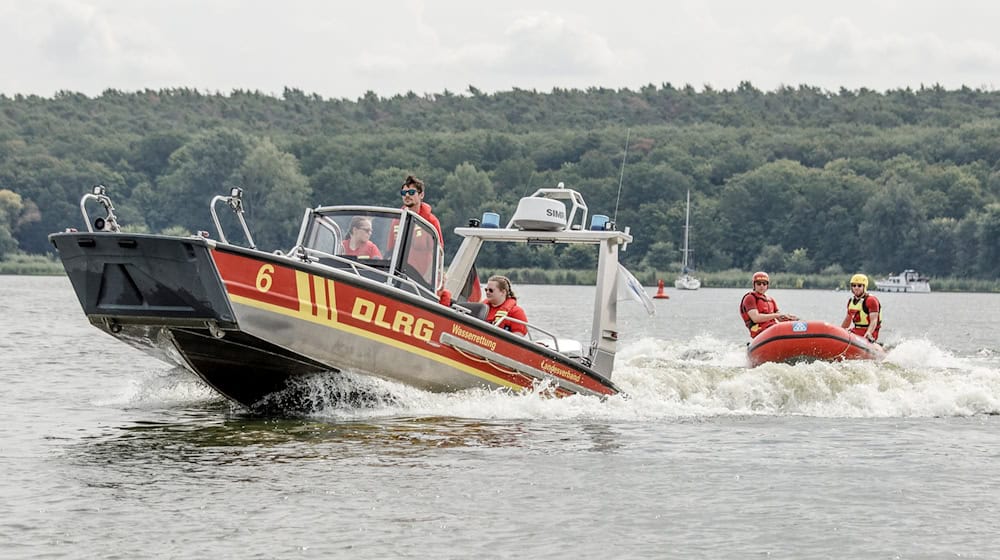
[872, 323]
[758, 317]
[847, 321]
[518, 313]
[783, 316]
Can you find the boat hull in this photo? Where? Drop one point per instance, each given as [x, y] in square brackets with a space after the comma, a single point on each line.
[798, 341]
[687, 282]
[912, 288]
[250, 323]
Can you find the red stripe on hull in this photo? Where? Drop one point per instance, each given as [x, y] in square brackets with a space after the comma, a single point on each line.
[262, 281]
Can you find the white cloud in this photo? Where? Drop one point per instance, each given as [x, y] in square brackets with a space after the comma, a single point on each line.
[844, 54]
[394, 46]
[546, 44]
[66, 44]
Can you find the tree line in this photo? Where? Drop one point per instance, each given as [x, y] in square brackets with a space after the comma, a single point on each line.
[791, 180]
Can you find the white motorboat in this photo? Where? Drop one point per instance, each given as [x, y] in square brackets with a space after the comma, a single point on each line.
[910, 281]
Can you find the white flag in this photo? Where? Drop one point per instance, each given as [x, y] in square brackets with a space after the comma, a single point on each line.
[634, 289]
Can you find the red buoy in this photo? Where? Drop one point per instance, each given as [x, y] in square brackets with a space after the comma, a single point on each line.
[659, 291]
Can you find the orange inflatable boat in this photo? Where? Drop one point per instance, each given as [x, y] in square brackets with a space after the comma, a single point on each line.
[798, 341]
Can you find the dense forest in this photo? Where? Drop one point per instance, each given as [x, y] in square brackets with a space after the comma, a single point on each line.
[797, 180]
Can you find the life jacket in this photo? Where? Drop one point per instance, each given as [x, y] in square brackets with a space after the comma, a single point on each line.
[425, 213]
[860, 308]
[500, 313]
[763, 304]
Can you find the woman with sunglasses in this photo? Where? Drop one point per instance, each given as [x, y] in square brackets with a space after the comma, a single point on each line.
[759, 310]
[503, 304]
[863, 309]
[358, 242]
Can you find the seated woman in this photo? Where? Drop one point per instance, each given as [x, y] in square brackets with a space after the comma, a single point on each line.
[503, 304]
[358, 242]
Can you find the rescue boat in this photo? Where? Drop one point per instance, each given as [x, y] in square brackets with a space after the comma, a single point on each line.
[251, 322]
[800, 341]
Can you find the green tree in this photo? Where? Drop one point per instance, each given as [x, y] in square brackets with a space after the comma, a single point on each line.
[276, 194]
[11, 208]
[208, 165]
[988, 236]
[799, 262]
[469, 191]
[578, 257]
[770, 259]
[891, 228]
[661, 256]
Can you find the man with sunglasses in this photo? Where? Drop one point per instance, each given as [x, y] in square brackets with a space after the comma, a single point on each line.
[412, 192]
[863, 310]
[759, 310]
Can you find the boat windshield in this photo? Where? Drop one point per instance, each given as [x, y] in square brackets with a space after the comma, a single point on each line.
[371, 236]
[364, 235]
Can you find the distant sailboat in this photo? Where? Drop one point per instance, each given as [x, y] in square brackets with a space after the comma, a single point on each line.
[685, 281]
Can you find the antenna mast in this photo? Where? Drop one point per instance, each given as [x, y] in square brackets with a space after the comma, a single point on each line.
[621, 178]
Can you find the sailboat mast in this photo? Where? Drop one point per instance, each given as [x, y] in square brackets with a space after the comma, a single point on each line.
[687, 221]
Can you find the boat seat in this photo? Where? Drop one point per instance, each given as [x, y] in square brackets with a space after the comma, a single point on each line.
[568, 347]
[477, 310]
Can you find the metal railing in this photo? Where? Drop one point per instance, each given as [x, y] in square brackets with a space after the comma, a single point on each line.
[235, 203]
[108, 222]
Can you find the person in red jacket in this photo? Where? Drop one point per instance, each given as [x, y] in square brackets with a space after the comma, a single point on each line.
[863, 310]
[422, 251]
[503, 305]
[412, 192]
[758, 310]
[358, 242]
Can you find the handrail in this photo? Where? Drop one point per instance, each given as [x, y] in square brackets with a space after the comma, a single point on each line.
[109, 222]
[530, 327]
[235, 202]
[313, 255]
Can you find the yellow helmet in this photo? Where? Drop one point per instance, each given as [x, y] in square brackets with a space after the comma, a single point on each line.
[860, 279]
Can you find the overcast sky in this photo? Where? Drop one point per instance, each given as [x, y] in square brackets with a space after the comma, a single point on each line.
[341, 49]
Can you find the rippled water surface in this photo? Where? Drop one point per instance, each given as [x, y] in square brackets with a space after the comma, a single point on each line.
[108, 453]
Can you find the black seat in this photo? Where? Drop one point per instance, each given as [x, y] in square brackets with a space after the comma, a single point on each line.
[477, 310]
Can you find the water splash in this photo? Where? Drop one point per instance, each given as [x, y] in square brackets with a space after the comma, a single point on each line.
[702, 377]
[156, 388]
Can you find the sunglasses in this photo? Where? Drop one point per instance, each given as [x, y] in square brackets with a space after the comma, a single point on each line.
[407, 192]
[857, 285]
[489, 290]
[761, 282]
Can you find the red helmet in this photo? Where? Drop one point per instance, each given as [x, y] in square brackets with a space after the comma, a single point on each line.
[761, 276]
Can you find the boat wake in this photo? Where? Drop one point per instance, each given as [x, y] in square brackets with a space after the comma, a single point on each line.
[702, 377]
[707, 377]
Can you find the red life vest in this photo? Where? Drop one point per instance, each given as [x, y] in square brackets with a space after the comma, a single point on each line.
[498, 315]
[764, 304]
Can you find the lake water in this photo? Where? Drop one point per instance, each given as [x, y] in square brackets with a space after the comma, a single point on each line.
[108, 453]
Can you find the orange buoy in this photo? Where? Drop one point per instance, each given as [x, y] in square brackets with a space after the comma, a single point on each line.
[659, 291]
